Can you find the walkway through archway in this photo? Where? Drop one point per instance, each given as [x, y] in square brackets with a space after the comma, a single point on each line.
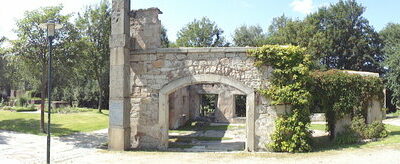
[206, 78]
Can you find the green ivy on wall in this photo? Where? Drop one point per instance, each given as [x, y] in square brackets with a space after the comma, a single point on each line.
[335, 92]
[288, 86]
[338, 93]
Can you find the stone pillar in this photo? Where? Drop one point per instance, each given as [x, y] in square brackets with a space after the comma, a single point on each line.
[145, 28]
[119, 126]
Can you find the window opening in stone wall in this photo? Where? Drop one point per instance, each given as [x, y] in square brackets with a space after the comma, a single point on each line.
[240, 105]
[208, 105]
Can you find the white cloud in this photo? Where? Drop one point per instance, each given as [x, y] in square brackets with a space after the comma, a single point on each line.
[302, 6]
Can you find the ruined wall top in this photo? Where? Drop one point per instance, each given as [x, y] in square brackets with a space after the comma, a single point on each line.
[145, 28]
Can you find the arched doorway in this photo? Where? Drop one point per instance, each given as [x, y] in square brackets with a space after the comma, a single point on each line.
[206, 78]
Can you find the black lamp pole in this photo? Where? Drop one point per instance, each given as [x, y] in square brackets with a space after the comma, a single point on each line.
[50, 27]
[49, 96]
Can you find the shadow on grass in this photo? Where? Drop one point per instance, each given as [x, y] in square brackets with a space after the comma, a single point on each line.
[323, 143]
[32, 126]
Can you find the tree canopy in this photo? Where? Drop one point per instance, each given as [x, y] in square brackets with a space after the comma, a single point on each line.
[391, 38]
[337, 36]
[248, 36]
[94, 25]
[201, 33]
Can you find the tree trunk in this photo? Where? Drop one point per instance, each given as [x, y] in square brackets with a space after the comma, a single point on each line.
[100, 96]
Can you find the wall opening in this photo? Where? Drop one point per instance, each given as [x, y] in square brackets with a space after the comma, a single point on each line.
[202, 117]
[190, 81]
[208, 106]
[240, 105]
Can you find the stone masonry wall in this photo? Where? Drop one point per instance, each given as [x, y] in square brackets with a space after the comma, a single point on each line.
[153, 69]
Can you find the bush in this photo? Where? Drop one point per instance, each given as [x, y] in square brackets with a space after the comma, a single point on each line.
[339, 94]
[24, 109]
[291, 135]
[358, 126]
[19, 108]
[7, 108]
[367, 131]
[376, 130]
[21, 101]
[349, 136]
[288, 86]
[69, 110]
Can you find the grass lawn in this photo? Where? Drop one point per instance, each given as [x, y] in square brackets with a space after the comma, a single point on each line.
[318, 127]
[323, 143]
[61, 124]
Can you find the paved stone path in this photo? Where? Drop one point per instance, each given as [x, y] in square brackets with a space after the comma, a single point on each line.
[233, 139]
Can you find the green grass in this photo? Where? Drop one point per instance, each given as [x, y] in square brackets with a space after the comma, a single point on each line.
[323, 143]
[61, 124]
[394, 114]
[318, 127]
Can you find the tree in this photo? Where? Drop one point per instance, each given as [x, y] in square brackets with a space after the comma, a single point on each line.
[31, 50]
[278, 23]
[391, 38]
[201, 33]
[95, 27]
[338, 36]
[164, 38]
[248, 36]
[3, 63]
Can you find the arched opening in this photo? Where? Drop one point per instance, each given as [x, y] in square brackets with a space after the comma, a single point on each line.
[175, 85]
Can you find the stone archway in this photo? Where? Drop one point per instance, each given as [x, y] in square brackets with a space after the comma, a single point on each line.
[206, 78]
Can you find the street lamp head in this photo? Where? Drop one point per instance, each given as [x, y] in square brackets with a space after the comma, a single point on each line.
[50, 27]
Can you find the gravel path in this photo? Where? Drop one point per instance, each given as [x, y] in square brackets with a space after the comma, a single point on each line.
[84, 148]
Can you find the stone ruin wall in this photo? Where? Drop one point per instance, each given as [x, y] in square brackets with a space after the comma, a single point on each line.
[141, 73]
[152, 69]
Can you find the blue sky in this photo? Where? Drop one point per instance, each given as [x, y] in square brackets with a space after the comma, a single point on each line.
[228, 14]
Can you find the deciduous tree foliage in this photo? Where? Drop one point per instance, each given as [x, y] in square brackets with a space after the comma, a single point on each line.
[338, 36]
[31, 50]
[164, 38]
[94, 26]
[248, 36]
[391, 37]
[201, 33]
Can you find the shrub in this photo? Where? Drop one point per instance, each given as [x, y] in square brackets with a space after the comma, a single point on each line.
[23, 109]
[358, 126]
[7, 108]
[69, 110]
[339, 93]
[291, 135]
[288, 86]
[349, 136]
[21, 101]
[367, 131]
[376, 130]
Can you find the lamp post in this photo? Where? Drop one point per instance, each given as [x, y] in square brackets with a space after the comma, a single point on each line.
[50, 27]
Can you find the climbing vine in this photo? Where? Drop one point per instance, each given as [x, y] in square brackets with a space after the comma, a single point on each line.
[288, 86]
[338, 93]
[335, 92]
